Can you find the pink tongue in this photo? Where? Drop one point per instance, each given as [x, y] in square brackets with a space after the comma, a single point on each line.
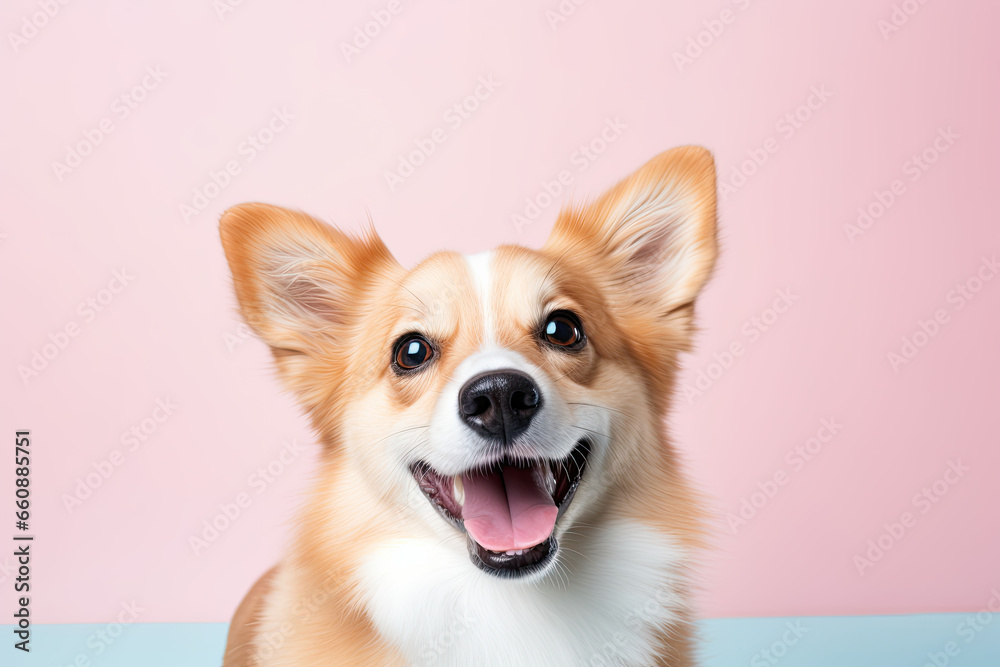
[508, 511]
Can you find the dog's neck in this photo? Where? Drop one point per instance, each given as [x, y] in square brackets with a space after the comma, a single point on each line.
[615, 593]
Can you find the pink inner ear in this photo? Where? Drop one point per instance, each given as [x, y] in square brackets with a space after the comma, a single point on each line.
[651, 249]
[665, 260]
[654, 230]
[301, 286]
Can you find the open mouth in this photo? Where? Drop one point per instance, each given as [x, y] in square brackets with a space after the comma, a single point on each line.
[508, 508]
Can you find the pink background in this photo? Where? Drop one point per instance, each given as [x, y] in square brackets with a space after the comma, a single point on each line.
[164, 335]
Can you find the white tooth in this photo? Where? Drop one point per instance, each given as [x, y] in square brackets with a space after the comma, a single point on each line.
[510, 553]
[550, 479]
[520, 552]
[459, 491]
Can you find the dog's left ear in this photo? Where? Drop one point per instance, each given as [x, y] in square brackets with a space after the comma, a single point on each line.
[652, 237]
[300, 283]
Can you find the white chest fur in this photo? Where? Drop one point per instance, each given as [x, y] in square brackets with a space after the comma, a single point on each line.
[612, 588]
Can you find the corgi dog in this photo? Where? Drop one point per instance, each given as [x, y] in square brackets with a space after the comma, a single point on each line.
[495, 484]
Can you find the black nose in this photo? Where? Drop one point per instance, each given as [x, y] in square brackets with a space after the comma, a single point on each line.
[499, 404]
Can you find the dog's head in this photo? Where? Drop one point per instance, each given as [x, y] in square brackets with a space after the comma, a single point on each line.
[504, 395]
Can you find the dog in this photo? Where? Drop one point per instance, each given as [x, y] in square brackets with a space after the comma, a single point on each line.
[495, 485]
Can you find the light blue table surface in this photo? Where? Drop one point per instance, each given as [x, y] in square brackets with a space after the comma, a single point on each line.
[831, 641]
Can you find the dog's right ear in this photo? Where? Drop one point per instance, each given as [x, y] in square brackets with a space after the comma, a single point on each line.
[299, 282]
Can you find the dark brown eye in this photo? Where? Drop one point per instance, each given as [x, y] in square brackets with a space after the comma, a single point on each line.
[413, 352]
[562, 328]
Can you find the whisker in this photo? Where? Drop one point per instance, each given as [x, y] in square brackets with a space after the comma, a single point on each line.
[602, 407]
[603, 435]
[400, 432]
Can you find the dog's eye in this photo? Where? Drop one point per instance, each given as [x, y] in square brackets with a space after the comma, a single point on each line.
[562, 328]
[412, 352]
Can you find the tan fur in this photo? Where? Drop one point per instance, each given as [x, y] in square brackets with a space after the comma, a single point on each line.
[352, 300]
[243, 629]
